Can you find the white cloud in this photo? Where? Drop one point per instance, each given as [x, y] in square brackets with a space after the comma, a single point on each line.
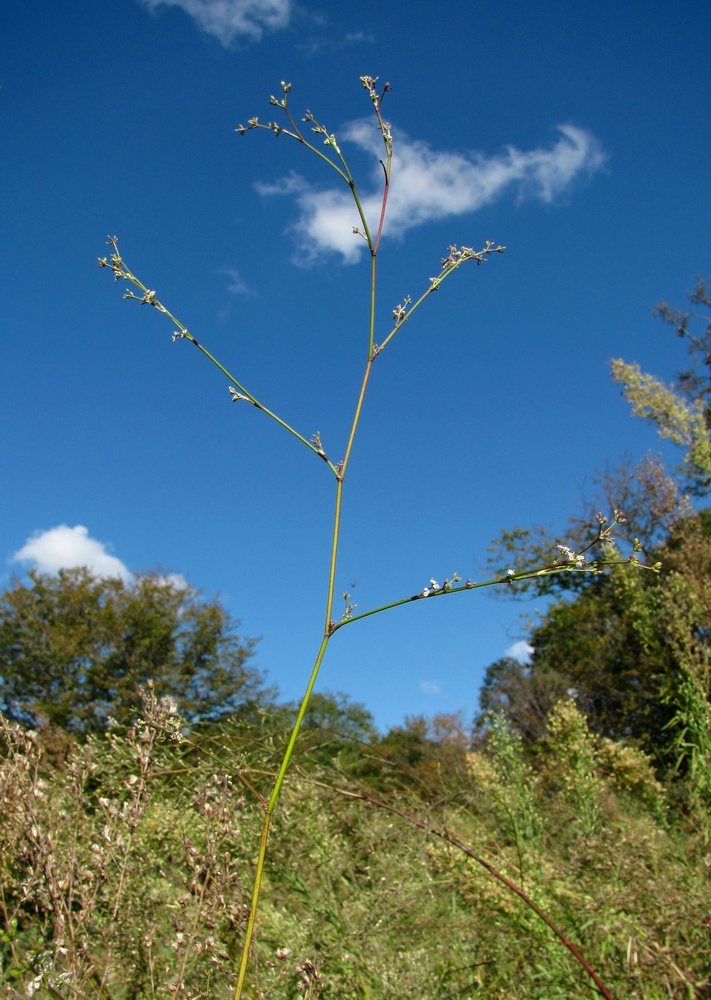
[428, 184]
[175, 580]
[317, 46]
[236, 285]
[292, 183]
[430, 687]
[521, 651]
[228, 20]
[64, 547]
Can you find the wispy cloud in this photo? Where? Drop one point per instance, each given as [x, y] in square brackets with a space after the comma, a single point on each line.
[430, 687]
[291, 183]
[351, 37]
[428, 185]
[318, 45]
[64, 547]
[236, 286]
[229, 20]
[521, 651]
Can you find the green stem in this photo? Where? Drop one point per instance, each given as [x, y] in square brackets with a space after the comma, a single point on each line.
[344, 173]
[260, 406]
[479, 256]
[296, 134]
[121, 270]
[519, 577]
[329, 627]
[268, 813]
[328, 631]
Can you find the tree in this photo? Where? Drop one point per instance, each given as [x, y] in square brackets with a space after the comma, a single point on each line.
[635, 650]
[524, 695]
[681, 412]
[654, 499]
[614, 673]
[427, 754]
[334, 727]
[75, 648]
[335, 715]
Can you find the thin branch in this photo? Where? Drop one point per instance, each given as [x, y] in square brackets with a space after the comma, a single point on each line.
[148, 297]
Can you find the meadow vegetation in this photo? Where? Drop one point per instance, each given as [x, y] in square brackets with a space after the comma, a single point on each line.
[126, 861]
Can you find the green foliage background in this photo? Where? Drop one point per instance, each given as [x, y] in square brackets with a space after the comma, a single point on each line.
[126, 873]
[74, 649]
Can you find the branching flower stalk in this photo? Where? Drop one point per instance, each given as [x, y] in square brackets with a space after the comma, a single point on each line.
[568, 561]
[148, 297]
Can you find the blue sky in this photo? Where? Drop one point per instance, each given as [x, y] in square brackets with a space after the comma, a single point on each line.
[577, 135]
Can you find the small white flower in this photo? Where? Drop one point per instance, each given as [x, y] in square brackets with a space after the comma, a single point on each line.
[168, 705]
[33, 986]
[434, 585]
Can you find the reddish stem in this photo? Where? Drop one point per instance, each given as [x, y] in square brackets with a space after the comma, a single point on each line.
[444, 835]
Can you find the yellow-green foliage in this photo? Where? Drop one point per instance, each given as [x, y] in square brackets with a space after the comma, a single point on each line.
[678, 419]
[125, 872]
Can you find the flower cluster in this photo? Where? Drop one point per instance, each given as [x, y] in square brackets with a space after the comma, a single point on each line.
[400, 311]
[349, 607]
[434, 587]
[575, 559]
[459, 255]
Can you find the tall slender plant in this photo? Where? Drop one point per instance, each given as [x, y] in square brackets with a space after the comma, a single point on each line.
[371, 232]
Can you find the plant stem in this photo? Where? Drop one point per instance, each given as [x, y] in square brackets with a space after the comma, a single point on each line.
[551, 569]
[329, 626]
[268, 813]
[328, 631]
[148, 297]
